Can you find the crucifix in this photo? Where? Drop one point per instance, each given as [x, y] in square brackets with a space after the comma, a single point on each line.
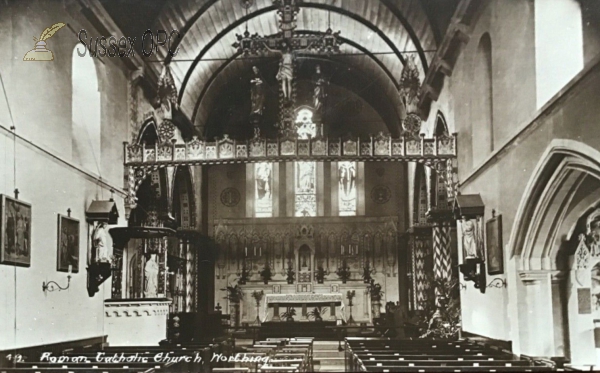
[286, 44]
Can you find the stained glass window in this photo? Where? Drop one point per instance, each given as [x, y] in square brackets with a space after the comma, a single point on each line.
[306, 172]
[306, 191]
[263, 198]
[347, 188]
[305, 127]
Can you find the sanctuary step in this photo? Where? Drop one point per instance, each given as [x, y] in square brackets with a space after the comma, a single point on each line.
[285, 329]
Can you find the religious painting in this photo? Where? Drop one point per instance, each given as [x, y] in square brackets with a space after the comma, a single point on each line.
[306, 191]
[347, 188]
[15, 237]
[263, 189]
[495, 255]
[68, 244]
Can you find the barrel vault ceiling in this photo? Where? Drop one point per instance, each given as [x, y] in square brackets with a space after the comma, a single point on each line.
[377, 36]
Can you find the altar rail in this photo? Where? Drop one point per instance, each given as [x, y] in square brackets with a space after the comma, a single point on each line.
[257, 149]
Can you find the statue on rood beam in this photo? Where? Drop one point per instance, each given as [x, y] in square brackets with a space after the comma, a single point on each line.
[320, 88]
[257, 93]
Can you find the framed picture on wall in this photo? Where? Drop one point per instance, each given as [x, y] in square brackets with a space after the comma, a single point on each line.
[15, 232]
[68, 244]
[493, 244]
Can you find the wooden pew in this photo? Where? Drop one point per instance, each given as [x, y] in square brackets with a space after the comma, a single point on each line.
[454, 369]
[380, 355]
[77, 370]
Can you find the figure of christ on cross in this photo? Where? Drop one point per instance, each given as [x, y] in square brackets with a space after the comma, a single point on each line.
[286, 67]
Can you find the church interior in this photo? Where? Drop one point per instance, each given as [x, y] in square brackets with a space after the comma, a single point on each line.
[299, 185]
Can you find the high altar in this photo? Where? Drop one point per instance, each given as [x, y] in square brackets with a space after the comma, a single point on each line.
[307, 247]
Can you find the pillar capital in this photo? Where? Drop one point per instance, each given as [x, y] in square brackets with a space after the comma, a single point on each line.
[440, 216]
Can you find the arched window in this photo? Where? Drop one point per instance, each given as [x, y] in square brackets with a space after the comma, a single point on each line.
[483, 133]
[263, 190]
[86, 104]
[347, 188]
[558, 46]
[305, 180]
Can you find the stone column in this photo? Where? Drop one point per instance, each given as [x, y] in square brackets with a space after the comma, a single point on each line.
[540, 312]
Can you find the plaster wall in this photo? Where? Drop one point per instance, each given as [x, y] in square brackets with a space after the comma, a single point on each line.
[39, 95]
[502, 181]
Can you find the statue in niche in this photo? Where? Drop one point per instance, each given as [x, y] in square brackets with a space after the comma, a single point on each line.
[304, 254]
[151, 276]
[99, 244]
[320, 88]
[469, 237]
[257, 93]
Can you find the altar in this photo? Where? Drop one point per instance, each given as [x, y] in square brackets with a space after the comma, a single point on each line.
[330, 300]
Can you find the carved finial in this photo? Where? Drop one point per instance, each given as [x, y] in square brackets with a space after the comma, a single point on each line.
[69, 212]
[493, 213]
[16, 193]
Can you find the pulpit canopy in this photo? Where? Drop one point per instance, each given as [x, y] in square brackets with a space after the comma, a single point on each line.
[468, 205]
[102, 211]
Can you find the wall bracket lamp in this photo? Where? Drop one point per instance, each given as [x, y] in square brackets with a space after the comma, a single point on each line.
[54, 286]
[497, 283]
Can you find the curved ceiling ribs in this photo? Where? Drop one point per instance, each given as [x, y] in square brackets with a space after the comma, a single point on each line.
[224, 65]
[379, 30]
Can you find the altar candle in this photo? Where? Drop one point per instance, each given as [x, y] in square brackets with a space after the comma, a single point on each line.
[70, 268]
[260, 251]
[246, 251]
[254, 250]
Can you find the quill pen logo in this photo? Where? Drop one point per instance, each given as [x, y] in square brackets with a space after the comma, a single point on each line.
[40, 53]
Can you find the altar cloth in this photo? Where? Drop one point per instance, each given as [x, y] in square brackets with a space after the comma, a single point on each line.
[303, 298]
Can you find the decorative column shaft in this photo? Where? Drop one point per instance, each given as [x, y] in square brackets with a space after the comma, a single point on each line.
[442, 259]
[189, 284]
[117, 274]
[421, 282]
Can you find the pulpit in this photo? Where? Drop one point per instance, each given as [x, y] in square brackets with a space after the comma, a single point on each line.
[136, 322]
